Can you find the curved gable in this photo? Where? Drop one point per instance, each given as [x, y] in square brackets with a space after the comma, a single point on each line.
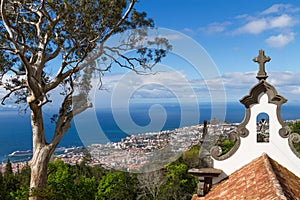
[262, 87]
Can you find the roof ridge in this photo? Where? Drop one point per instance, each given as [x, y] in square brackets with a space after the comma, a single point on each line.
[273, 177]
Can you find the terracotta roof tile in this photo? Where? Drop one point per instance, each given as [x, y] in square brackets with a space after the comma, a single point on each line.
[263, 178]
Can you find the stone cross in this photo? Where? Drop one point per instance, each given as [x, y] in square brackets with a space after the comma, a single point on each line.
[261, 59]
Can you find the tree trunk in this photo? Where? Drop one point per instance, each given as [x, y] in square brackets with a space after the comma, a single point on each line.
[39, 166]
[41, 155]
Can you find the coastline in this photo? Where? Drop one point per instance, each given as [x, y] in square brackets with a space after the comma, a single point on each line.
[177, 140]
[139, 150]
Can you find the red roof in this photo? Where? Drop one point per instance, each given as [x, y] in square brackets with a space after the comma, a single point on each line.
[263, 178]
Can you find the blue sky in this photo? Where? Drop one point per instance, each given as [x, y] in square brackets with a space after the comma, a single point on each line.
[232, 32]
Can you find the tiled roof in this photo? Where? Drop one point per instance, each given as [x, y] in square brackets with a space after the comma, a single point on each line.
[263, 178]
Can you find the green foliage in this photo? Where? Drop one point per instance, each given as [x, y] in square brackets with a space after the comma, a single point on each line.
[8, 168]
[60, 181]
[1, 186]
[9, 184]
[82, 182]
[76, 28]
[86, 188]
[23, 178]
[64, 183]
[260, 137]
[117, 185]
[180, 184]
[21, 194]
[297, 146]
[226, 145]
[191, 157]
[295, 128]
[87, 171]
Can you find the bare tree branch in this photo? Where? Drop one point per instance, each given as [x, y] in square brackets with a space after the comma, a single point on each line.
[11, 91]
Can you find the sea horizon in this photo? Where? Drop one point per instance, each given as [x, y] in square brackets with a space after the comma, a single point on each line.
[15, 134]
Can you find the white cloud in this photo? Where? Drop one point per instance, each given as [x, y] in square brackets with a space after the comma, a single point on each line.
[278, 19]
[169, 85]
[238, 84]
[244, 79]
[166, 86]
[238, 79]
[277, 23]
[259, 25]
[282, 21]
[215, 28]
[284, 79]
[295, 90]
[280, 40]
[162, 85]
[276, 8]
[253, 27]
[287, 84]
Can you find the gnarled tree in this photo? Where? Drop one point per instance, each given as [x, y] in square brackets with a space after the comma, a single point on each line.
[66, 36]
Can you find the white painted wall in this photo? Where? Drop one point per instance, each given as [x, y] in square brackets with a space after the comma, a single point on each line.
[277, 148]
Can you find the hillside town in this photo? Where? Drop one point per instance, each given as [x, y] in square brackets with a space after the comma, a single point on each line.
[135, 152]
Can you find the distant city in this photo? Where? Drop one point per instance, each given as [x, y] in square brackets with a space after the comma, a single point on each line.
[135, 152]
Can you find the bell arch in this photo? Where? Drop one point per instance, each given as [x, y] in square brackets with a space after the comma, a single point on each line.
[262, 128]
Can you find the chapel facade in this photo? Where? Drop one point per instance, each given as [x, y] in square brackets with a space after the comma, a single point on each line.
[262, 141]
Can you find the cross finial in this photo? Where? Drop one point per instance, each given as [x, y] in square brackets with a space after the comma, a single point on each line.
[261, 59]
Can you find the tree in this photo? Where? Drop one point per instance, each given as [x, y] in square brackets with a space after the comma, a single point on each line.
[295, 128]
[117, 185]
[64, 184]
[34, 34]
[226, 145]
[179, 184]
[60, 183]
[86, 189]
[2, 191]
[23, 176]
[150, 183]
[9, 182]
[191, 156]
[8, 168]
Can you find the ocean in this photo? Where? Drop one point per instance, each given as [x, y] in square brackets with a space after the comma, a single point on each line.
[15, 132]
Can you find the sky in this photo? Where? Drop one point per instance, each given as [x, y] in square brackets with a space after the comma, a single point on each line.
[231, 33]
[214, 42]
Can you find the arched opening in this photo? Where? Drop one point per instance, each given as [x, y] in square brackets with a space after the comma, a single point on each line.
[262, 127]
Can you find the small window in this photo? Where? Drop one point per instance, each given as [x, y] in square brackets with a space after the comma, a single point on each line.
[262, 127]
